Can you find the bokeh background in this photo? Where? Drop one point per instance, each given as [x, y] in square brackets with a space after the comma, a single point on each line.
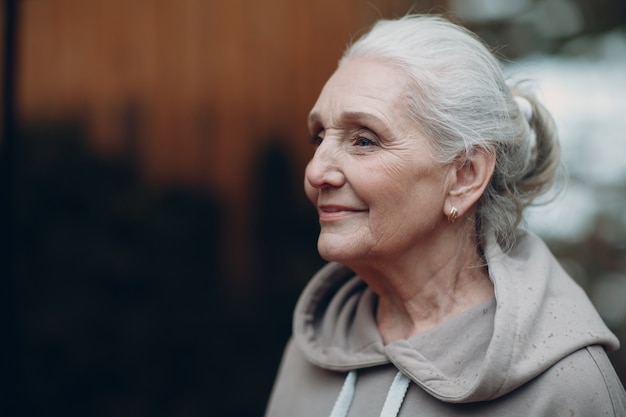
[154, 230]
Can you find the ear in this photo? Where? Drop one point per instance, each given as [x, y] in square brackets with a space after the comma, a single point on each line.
[468, 180]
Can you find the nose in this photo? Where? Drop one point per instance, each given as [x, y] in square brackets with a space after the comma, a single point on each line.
[324, 169]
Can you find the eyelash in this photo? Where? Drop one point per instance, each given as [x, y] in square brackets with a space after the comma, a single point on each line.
[316, 139]
[360, 138]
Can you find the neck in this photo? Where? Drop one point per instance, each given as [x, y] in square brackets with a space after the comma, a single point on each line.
[417, 294]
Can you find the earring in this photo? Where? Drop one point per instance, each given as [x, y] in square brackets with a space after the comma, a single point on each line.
[452, 216]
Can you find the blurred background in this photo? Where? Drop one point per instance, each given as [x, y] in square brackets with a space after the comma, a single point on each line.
[155, 232]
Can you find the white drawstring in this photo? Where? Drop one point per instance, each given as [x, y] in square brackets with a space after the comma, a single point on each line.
[342, 404]
[393, 402]
[395, 396]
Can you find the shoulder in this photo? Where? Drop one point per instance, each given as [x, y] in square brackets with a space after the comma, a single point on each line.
[585, 383]
[607, 378]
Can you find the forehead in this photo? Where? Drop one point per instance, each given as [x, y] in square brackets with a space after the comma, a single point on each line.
[362, 86]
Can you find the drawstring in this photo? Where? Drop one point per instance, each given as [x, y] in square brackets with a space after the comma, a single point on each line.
[395, 396]
[393, 402]
[342, 405]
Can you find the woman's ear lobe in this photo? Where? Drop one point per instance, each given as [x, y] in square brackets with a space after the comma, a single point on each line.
[472, 177]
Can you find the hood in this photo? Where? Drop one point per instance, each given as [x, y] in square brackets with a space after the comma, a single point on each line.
[539, 316]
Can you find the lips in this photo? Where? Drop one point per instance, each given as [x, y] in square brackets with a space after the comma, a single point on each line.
[329, 212]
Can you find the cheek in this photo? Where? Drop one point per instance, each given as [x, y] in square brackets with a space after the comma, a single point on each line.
[403, 196]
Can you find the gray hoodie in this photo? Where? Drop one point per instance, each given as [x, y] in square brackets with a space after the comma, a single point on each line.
[537, 349]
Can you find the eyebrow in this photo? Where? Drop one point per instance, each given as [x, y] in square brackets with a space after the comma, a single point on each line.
[351, 116]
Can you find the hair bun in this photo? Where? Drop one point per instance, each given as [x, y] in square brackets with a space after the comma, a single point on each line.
[525, 107]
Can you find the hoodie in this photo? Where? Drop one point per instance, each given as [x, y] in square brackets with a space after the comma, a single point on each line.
[537, 349]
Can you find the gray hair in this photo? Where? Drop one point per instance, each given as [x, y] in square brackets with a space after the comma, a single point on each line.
[461, 101]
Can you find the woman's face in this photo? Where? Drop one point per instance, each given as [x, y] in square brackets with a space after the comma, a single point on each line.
[378, 190]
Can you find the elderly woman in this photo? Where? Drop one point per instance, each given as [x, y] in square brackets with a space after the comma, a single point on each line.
[434, 301]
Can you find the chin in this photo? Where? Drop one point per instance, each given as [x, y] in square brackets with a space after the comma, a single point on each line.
[335, 250]
[330, 251]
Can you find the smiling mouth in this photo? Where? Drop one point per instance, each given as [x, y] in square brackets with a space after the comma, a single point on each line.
[333, 213]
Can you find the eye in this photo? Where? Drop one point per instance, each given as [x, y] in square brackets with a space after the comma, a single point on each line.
[316, 139]
[363, 141]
